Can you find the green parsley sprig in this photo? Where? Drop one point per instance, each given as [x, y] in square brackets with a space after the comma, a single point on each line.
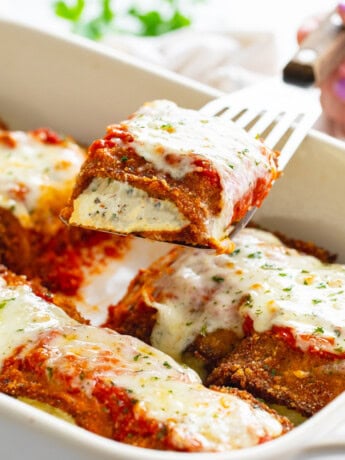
[168, 17]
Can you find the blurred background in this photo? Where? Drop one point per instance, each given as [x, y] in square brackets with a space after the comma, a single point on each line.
[226, 44]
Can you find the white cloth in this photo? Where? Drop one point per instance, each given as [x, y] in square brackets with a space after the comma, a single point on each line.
[220, 59]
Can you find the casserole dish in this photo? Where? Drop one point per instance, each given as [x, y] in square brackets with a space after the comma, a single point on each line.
[77, 87]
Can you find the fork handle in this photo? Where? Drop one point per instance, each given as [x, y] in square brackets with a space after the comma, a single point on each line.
[319, 54]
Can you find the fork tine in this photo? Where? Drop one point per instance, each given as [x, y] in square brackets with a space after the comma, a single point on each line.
[248, 117]
[300, 129]
[283, 124]
[232, 112]
[263, 122]
[270, 110]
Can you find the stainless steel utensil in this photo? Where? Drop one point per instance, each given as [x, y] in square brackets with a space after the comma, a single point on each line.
[281, 114]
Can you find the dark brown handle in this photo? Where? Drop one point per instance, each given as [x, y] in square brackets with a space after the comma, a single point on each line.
[320, 53]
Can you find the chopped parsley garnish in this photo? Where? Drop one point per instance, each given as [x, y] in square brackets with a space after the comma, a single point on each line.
[217, 279]
[50, 372]
[124, 159]
[339, 349]
[94, 19]
[316, 301]
[255, 255]
[168, 128]
[321, 286]
[235, 252]
[318, 330]
[243, 152]
[249, 302]
[288, 289]
[3, 303]
[167, 365]
[203, 330]
[270, 267]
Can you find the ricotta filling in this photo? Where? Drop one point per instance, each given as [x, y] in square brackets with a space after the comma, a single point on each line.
[261, 279]
[164, 390]
[109, 204]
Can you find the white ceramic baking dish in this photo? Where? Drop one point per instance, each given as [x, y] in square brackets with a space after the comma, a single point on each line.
[78, 87]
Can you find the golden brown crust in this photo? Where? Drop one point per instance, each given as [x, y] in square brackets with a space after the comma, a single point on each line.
[134, 315]
[264, 364]
[193, 196]
[15, 248]
[269, 368]
[87, 412]
[20, 378]
[198, 195]
[287, 425]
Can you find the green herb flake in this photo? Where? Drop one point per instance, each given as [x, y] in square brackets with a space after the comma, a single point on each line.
[316, 301]
[203, 330]
[255, 255]
[243, 152]
[321, 286]
[167, 365]
[339, 349]
[50, 372]
[3, 303]
[123, 159]
[235, 252]
[269, 266]
[168, 128]
[318, 330]
[249, 302]
[217, 279]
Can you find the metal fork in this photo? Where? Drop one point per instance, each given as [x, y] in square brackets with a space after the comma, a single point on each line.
[279, 113]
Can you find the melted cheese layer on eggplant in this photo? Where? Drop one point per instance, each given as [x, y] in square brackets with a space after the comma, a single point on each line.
[34, 172]
[106, 203]
[262, 279]
[164, 390]
[161, 130]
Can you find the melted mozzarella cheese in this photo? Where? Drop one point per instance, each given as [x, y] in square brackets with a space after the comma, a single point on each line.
[262, 279]
[164, 390]
[106, 203]
[162, 130]
[31, 170]
[23, 315]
